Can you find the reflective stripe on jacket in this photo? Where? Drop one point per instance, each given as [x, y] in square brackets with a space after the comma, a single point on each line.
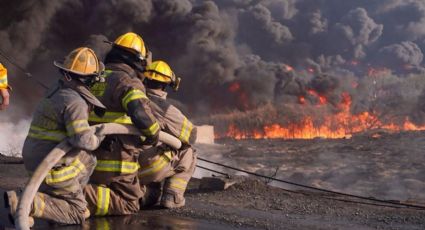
[117, 158]
[117, 166]
[172, 120]
[122, 118]
[62, 114]
[117, 92]
[65, 173]
[157, 165]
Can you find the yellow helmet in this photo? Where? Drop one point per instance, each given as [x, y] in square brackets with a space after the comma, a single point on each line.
[3, 71]
[132, 42]
[3, 77]
[161, 71]
[82, 61]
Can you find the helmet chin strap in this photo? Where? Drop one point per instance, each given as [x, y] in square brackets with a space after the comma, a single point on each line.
[90, 81]
[132, 63]
[67, 76]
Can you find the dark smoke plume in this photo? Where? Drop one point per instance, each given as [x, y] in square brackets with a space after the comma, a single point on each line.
[232, 54]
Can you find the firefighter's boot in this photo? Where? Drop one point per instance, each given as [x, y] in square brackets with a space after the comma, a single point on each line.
[152, 195]
[172, 200]
[11, 201]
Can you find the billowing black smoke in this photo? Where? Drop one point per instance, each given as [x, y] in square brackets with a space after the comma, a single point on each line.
[238, 54]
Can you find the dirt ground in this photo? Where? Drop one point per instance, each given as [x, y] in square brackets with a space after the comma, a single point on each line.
[252, 204]
[378, 164]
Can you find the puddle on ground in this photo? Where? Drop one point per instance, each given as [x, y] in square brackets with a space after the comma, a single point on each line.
[139, 221]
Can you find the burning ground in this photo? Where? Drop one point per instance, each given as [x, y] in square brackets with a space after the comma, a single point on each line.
[319, 106]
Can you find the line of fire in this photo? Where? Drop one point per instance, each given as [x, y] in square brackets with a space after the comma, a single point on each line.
[310, 113]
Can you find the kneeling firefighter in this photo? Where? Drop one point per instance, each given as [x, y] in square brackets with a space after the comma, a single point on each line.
[114, 187]
[173, 168]
[63, 114]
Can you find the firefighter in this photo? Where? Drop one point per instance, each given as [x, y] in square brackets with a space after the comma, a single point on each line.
[160, 163]
[4, 88]
[114, 187]
[63, 114]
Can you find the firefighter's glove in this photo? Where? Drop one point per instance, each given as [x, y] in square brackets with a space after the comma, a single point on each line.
[99, 132]
[184, 146]
[151, 140]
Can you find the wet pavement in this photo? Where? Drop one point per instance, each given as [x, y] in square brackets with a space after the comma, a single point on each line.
[145, 219]
[139, 221]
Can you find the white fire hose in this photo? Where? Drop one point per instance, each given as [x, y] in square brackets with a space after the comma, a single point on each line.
[24, 207]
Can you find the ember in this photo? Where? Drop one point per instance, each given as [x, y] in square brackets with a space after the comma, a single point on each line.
[234, 87]
[301, 99]
[288, 68]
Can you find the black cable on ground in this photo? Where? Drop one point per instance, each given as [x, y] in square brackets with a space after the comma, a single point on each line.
[28, 74]
[212, 170]
[313, 188]
[365, 203]
[228, 176]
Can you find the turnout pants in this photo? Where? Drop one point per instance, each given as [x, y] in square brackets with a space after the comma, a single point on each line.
[173, 167]
[104, 201]
[61, 197]
[114, 188]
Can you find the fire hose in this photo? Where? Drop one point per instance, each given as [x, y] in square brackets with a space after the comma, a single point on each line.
[23, 211]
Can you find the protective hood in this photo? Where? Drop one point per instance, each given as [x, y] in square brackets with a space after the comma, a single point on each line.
[85, 93]
[157, 93]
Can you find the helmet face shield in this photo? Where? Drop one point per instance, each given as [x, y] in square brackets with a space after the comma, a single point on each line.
[175, 85]
[143, 60]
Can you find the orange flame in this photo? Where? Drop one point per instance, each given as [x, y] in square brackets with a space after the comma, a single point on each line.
[322, 99]
[340, 125]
